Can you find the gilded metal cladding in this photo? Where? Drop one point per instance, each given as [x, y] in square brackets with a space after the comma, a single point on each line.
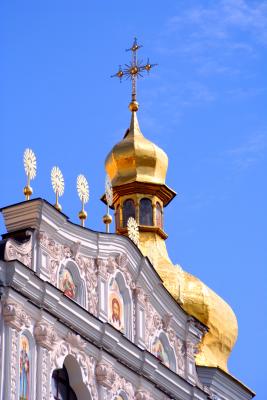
[196, 299]
[136, 159]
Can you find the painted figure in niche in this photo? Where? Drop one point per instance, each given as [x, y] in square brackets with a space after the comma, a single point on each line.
[66, 283]
[116, 306]
[24, 368]
[118, 398]
[159, 351]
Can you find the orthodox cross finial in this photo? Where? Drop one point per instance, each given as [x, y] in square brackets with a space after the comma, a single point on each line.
[132, 71]
[29, 160]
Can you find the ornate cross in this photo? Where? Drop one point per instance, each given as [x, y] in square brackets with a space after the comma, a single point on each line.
[132, 71]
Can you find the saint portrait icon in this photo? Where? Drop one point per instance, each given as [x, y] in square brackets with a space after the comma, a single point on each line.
[24, 369]
[116, 306]
[66, 283]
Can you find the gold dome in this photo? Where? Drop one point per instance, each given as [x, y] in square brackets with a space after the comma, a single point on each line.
[198, 300]
[136, 159]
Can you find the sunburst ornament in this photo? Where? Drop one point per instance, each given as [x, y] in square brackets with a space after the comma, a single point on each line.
[30, 166]
[133, 230]
[107, 219]
[57, 181]
[83, 193]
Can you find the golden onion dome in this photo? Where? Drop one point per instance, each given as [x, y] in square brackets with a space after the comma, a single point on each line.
[136, 159]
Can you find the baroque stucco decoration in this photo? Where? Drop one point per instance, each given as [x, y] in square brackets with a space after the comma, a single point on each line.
[22, 252]
[75, 346]
[59, 254]
[107, 377]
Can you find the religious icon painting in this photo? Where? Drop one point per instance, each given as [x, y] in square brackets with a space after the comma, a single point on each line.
[159, 351]
[115, 306]
[66, 283]
[24, 369]
[118, 398]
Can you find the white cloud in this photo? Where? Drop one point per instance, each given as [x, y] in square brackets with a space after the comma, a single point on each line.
[249, 152]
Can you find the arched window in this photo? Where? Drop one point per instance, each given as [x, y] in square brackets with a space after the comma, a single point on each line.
[146, 215]
[61, 388]
[128, 211]
[159, 215]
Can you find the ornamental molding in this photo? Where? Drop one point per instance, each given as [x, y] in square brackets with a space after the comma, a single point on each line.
[141, 295]
[179, 351]
[153, 323]
[143, 395]
[110, 265]
[86, 363]
[15, 316]
[75, 340]
[19, 251]
[45, 335]
[60, 253]
[166, 320]
[105, 375]
[121, 384]
[13, 364]
[89, 272]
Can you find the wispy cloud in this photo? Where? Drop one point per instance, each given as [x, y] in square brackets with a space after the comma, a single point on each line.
[249, 152]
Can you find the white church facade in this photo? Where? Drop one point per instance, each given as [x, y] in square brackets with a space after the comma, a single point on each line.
[88, 315]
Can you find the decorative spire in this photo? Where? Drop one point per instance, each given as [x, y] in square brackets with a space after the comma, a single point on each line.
[29, 161]
[57, 181]
[132, 71]
[83, 193]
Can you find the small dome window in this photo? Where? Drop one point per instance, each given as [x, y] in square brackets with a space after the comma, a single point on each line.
[146, 214]
[128, 211]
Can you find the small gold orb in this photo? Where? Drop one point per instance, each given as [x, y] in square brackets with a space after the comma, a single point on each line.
[27, 191]
[82, 215]
[133, 106]
[107, 219]
[134, 70]
[58, 207]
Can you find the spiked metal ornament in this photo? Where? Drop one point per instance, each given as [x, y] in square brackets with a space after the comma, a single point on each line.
[133, 230]
[57, 181]
[133, 71]
[30, 166]
[107, 219]
[83, 193]
[109, 191]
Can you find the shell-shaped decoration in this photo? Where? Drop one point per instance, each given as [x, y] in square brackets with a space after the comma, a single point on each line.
[133, 230]
[83, 188]
[57, 181]
[109, 191]
[30, 165]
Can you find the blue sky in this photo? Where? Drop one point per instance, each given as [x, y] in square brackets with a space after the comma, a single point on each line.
[205, 105]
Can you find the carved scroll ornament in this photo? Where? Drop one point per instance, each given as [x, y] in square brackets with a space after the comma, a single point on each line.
[19, 251]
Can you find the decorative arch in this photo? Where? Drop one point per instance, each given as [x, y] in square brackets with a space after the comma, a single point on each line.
[161, 348]
[80, 367]
[71, 375]
[146, 212]
[128, 211]
[120, 304]
[27, 357]
[71, 283]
